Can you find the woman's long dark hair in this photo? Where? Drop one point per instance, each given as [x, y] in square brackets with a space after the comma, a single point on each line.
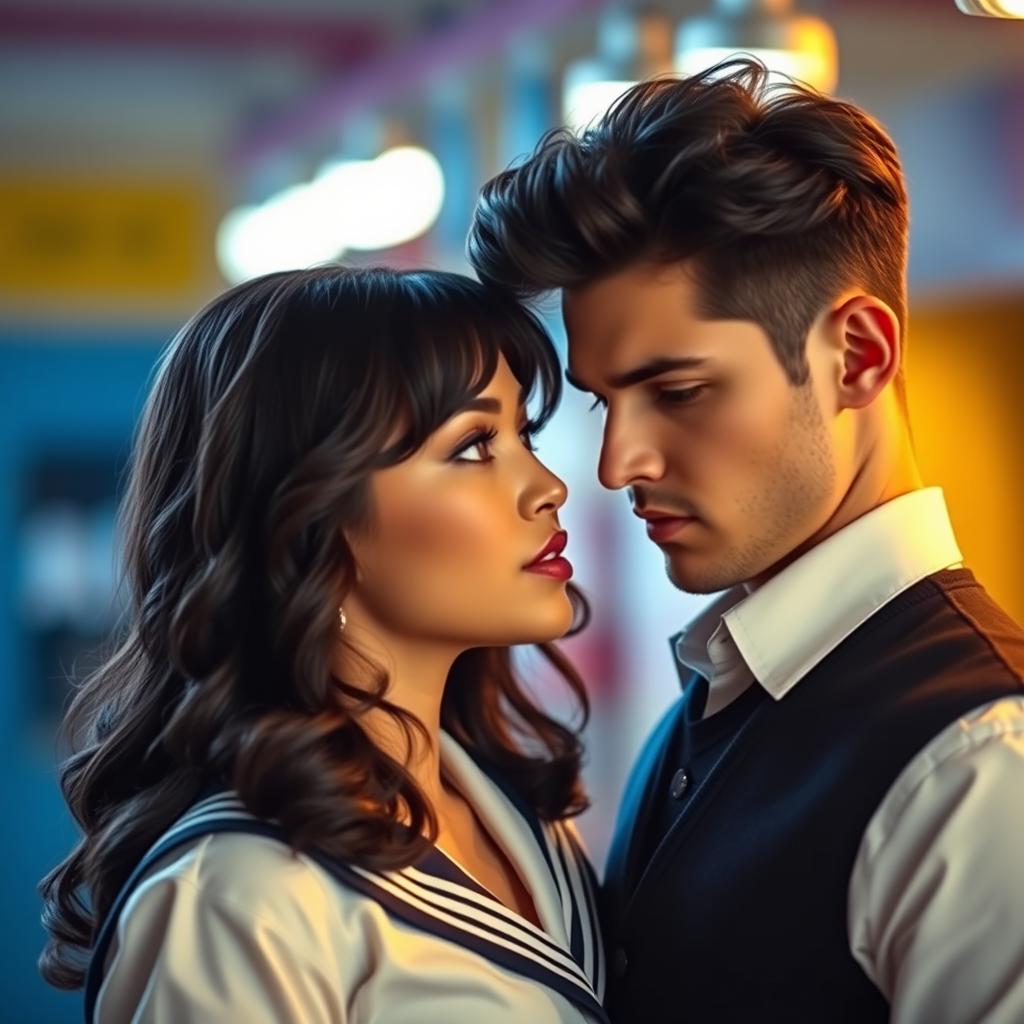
[268, 413]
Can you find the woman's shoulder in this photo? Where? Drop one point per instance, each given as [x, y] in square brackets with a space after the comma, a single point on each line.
[253, 875]
[233, 919]
[218, 855]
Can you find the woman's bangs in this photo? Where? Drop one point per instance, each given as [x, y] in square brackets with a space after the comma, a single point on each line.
[531, 356]
[448, 353]
[436, 373]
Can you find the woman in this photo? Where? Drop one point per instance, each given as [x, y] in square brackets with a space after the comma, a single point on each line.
[310, 785]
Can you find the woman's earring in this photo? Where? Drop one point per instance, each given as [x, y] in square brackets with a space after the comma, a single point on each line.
[341, 620]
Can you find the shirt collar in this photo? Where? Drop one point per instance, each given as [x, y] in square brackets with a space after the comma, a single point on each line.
[784, 628]
[693, 647]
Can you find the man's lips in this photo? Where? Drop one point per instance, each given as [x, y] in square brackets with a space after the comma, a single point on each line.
[548, 561]
[661, 526]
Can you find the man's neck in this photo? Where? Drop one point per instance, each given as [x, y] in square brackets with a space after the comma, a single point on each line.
[886, 469]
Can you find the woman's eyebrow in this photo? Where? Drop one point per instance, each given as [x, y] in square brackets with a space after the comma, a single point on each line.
[482, 405]
[577, 384]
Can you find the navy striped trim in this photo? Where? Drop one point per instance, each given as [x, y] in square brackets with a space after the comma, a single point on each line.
[599, 979]
[584, 923]
[572, 874]
[569, 867]
[435, 896]
[531, 934]
[480, 930]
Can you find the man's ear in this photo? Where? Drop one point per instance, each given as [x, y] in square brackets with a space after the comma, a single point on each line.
[868, 334]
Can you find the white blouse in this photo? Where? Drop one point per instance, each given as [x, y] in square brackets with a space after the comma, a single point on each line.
[224, 923]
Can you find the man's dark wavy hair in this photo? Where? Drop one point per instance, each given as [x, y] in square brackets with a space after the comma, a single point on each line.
[267, 416]
[780, 196]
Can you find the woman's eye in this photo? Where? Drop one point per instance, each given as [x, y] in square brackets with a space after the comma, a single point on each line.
[680, 396]
[477, 449]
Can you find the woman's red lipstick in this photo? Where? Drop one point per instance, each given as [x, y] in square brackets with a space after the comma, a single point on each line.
[548, 561]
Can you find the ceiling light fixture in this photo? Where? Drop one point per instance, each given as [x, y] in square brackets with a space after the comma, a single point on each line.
[790, 44]
[993, 8]
[631, 46]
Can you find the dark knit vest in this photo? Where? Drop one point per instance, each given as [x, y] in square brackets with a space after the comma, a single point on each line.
[740, 912]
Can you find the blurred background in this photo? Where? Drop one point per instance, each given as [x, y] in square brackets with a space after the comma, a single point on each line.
[153, 152]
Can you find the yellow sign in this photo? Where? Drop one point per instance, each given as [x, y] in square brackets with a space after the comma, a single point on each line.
[104, 238]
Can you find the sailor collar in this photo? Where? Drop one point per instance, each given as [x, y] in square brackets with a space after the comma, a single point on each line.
[436, 895]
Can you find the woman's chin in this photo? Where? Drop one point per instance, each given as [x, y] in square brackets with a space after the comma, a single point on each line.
[529, 622]
[552, 621]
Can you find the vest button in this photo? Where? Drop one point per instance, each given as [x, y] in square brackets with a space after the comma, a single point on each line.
[620, 962]
[680, 784]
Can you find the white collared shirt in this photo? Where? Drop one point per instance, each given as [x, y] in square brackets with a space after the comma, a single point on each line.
[936, 903]
[235, 927]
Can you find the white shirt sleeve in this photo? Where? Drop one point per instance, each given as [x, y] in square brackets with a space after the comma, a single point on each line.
[203, 943]
[936, 900]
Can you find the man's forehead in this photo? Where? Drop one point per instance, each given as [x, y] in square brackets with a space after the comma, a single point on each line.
[611, 346]
[626, 319]
[631, 300]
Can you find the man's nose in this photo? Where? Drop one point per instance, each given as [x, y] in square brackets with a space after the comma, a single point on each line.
[628, 456]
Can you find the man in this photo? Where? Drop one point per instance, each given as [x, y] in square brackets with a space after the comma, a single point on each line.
[828, 825]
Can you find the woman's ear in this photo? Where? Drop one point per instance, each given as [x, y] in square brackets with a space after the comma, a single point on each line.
[347, 540]
[868, 332]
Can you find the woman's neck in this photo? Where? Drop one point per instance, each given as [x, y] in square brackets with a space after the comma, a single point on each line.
[417, 673]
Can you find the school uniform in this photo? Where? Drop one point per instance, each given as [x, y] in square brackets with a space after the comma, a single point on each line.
[827, 825]
[221, 921]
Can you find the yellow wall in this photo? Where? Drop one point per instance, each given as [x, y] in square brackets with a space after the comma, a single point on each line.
[965, 372]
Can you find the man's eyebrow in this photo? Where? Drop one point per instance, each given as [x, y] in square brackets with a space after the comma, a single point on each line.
[649, 369]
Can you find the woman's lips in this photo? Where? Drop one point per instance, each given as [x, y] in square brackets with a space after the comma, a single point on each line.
[664, 528]
[556, 567]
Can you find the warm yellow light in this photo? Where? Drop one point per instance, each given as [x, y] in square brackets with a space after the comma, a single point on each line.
[964, 406]
[993, 8]
[816, 69]
[790, 45]
[586, 102]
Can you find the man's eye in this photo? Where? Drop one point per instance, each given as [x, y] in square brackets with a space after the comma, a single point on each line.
[680, 396]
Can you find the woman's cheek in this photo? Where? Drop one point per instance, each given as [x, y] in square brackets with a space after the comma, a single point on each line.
[450, 526]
